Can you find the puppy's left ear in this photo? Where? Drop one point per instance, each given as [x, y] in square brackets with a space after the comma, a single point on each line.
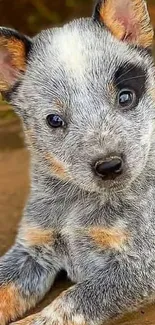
[14, 51]
[127, 20]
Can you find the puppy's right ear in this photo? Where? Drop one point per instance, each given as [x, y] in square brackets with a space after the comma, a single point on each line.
[14, 50]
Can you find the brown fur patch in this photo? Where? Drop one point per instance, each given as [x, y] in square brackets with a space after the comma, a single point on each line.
[12, 61]
[137, 30]
[59, 103]
[57, 167]
[38, 236]
[111, 88]
[18, 54]
[12, 305]
[112, 238]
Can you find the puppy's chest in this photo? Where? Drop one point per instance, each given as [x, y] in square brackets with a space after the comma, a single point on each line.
[90, 234]
[91, 239]
[89, 248]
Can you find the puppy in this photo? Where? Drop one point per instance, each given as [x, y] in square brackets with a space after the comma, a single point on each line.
[86, 97]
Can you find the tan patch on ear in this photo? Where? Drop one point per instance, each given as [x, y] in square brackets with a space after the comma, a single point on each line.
[12, 57]
[57, 167]
[12, 305]
[38, 237]
[112, 238]
[128, 20]
[17, 50]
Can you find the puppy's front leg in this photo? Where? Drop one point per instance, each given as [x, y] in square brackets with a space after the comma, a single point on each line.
[26, 274]
[109, 293]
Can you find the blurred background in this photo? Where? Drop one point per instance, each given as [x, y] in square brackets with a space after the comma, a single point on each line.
[29, 17]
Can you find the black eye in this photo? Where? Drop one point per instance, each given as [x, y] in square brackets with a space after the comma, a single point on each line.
[55, 121]
[127, 99]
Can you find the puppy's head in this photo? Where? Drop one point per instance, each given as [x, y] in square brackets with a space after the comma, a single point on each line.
[86, 94]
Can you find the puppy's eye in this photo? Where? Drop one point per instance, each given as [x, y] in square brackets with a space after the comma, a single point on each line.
[55, 121]
[127, 99]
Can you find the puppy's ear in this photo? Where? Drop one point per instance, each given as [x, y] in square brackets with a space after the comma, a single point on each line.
[127, 20]
[14, 50]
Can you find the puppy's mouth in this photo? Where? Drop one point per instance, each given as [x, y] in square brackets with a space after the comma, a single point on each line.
[101, 187]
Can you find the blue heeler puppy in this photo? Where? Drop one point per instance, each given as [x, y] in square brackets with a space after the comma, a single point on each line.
[86, 96]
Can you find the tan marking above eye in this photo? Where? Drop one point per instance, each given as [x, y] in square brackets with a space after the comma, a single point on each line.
[108, 237]
[111, 88]
[59, 103]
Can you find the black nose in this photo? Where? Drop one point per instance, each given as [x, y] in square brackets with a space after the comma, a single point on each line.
[109, 168]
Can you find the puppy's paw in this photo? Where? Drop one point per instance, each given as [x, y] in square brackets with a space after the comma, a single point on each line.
[39, 319]
[57, 313]
[36, 319]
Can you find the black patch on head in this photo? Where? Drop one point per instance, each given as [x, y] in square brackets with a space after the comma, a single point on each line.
[133, 77]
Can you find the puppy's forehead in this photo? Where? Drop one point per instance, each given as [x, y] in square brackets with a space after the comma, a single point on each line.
[71, 50]
[79, 49]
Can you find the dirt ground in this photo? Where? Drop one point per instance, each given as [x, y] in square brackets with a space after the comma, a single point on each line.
[14, 185]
